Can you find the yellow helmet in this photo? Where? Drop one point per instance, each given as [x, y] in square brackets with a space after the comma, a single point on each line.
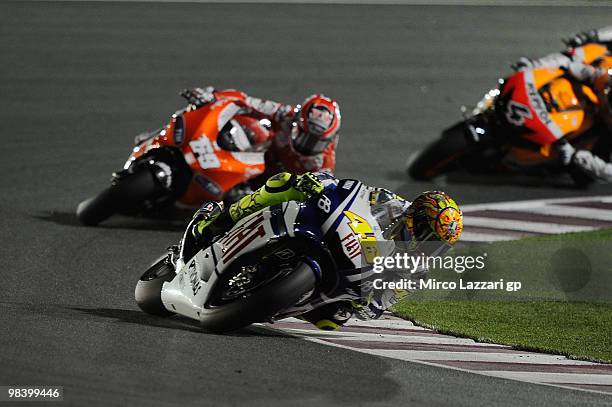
[434, 216]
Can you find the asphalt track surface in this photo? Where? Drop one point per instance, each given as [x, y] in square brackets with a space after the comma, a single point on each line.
[79, 80]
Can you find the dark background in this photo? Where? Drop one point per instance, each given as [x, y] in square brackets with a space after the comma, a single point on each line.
[78, 81]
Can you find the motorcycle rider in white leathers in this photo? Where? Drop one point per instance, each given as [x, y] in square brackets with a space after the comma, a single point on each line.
[433, 217]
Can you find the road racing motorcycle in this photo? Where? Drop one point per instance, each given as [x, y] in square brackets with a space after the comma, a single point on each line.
[513, 128]
[204, 153]
[282, 261]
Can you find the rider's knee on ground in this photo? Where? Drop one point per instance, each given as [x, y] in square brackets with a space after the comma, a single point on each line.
[592, 165]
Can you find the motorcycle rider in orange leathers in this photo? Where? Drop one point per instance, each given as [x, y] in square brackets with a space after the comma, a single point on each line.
[583, 60]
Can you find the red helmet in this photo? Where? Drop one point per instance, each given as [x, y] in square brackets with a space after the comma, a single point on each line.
[318, 121]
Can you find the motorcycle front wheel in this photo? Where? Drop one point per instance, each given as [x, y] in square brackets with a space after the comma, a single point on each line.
[148, 289]
[440, 155]
[266, 301]
[127, 193]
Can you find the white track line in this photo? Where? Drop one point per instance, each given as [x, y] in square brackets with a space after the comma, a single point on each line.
[560, 207]
[570, 211]
[561, 378]
[516, 205]
[373, 337]
[391, 323]
[479, 352]
[433, 356]
[523, 226]
[468, 236]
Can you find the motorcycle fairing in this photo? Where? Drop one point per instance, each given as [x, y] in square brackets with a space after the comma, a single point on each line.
[194, 132]
[589, 53]
[311, 224]
[189, 291]
[523, 106]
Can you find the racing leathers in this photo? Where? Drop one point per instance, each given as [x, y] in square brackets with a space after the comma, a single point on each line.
[280, 156]
[582, 60]
[388, 209]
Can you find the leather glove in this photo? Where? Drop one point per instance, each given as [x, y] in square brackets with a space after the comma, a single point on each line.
[195, 237]
[309, 184]
[582, 38]
[198, 96]
[204, 216]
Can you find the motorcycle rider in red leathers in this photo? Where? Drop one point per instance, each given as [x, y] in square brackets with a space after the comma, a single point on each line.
[303, 138]
[582, 60]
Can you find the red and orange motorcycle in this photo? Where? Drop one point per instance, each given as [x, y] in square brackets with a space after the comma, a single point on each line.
[204, 153]
[513, 128]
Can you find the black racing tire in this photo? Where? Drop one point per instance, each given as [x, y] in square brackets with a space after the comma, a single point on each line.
[441, 155]
[128, 193]
[148, 289]
[263, 303]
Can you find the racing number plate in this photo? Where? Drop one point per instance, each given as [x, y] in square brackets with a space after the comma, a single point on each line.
[204, 152]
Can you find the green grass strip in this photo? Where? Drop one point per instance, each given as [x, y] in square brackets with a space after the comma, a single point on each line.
[540, 318]
[577, 330]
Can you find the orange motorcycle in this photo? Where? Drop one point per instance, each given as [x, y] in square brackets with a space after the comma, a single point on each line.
[513, 128]
[204, 153]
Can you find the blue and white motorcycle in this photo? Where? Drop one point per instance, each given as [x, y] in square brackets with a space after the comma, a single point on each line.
[282, 261]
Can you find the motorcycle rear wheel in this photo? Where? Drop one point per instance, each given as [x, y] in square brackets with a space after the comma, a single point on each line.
[440, 155]
[259, 306]
[127, 194]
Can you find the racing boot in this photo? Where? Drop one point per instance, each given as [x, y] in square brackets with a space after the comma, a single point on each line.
[330, 317]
